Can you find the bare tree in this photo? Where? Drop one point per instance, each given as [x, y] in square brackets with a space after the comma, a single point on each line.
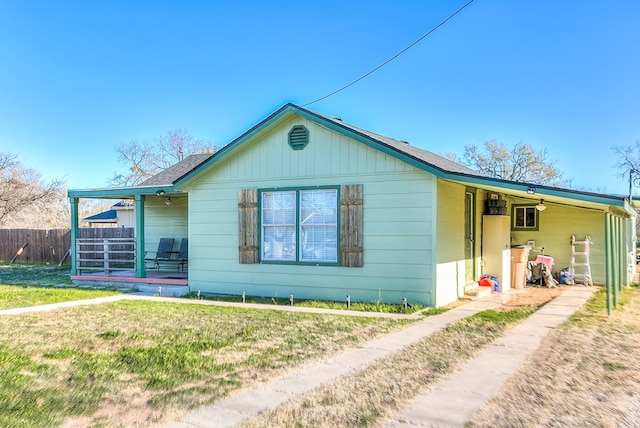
[23, 191]
[522, 163]
[629, 162]
[629, 166]
[144, 159]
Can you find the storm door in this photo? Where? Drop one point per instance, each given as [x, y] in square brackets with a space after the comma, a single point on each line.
[469, 236]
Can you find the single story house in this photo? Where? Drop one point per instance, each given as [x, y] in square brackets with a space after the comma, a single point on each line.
[119, 215]
[306, 204]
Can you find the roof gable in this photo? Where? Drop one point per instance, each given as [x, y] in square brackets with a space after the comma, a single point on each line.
[191, 167]
[420, 158]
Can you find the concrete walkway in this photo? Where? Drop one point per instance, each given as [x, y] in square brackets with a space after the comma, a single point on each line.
[69, 304]
[241, 407]
[455, 400]
[448, 405]
[155, 298]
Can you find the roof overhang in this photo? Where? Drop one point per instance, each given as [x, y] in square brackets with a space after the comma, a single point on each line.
[526, 190]
[123, 192]
[618, 205]
[559, 195]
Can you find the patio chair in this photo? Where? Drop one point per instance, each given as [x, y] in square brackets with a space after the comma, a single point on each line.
[183, 254]
[164, 253]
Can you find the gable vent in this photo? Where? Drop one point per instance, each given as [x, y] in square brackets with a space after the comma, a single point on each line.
[298, 137]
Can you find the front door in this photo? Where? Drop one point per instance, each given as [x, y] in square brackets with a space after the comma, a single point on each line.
[469, 236]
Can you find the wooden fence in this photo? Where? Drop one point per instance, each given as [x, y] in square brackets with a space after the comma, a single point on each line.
[51, 245]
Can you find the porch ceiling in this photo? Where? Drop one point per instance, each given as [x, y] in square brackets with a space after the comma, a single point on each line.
[558, 196]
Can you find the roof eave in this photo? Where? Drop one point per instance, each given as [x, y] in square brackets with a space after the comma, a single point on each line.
[120, 192]
[225, 151]
[541, 191]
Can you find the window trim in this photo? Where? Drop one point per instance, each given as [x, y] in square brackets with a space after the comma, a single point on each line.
[298, 260]
[515, 227]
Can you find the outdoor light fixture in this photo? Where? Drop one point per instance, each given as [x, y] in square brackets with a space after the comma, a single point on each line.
[159, 192]
[531, 190]
[541, 206]
[169, 201]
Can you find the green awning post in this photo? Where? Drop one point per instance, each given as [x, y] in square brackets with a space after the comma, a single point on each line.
[616, 252]
[73, 234]
[608, 260]
[139, 211]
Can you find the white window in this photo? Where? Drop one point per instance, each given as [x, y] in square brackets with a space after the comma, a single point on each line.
[299, 225]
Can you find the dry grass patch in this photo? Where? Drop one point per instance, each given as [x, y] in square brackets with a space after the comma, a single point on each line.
[586, 373]
[370, 396]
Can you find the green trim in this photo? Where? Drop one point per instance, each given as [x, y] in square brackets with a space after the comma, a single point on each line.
[608, 261]
[474, 195]
[121, 192]
[297, 260]
[514, 217]
[73, 234]
[298, 137]
[369, 141]
[227, 150]
[140, 238]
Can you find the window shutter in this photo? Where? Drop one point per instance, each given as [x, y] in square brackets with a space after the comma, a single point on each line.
[351, 225]
[248, 225]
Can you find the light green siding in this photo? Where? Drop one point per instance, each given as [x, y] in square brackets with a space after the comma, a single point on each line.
[165, 221]
[449, 246]
[556, 225]
[398, 220]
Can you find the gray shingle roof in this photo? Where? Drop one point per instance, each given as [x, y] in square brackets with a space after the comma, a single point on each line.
[177, 171]
[431, 158]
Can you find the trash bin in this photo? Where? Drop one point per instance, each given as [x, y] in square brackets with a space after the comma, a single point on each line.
[519, 259]
[546, 260]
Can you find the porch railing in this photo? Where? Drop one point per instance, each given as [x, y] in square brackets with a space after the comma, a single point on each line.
[105, 255]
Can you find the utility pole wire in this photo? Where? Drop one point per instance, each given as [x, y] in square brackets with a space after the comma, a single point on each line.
[393, 57]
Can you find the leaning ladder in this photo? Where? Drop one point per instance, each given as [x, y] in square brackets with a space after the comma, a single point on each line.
[580, 260]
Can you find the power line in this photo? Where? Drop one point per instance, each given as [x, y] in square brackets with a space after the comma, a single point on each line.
[393, 57]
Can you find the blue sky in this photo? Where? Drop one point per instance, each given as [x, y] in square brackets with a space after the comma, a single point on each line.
[77, 78]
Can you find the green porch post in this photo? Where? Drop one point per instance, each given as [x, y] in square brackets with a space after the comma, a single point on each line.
[628, 251]
[616, 252]
[608, 260]
[73, 234]
[139, 211]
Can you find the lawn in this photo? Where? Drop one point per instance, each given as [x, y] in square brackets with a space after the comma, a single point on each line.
[585, 373]
[33, 274]
[137, 362]
[373, 306]
[33, 284]
[369, 396]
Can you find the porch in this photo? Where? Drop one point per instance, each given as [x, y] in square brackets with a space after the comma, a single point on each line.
[157, 282]
[113, 263]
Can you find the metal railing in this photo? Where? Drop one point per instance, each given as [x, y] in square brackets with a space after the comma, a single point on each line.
[105, 255]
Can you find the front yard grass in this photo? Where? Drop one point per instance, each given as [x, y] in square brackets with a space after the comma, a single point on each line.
[585, 373]
[23, 285]
[368, 396]
[373, 306]
[20, 297]
[142, 362]
[33, 274]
